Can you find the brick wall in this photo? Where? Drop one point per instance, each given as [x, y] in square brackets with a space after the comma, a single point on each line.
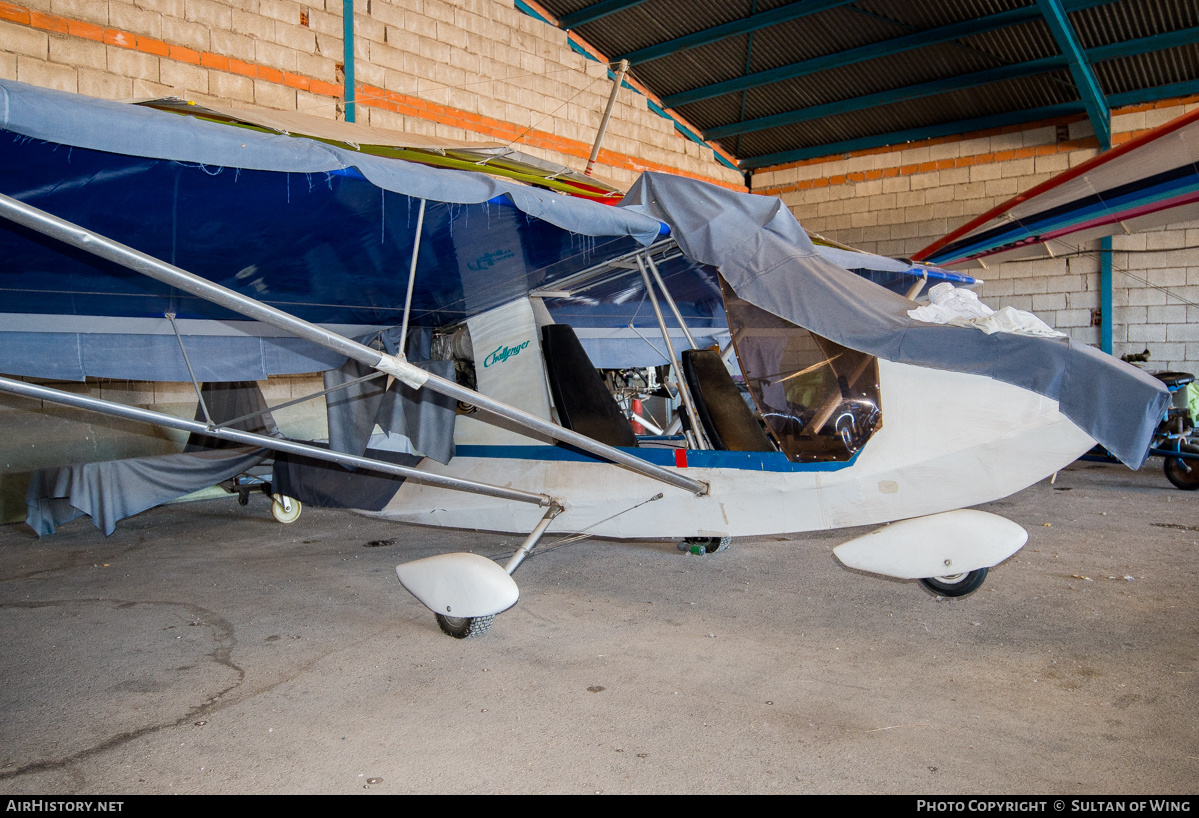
[896, 201]
[476, 70]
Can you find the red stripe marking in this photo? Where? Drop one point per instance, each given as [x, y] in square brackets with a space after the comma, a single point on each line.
[680, 458]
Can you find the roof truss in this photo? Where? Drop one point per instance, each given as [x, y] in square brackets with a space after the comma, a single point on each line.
[1025, 38]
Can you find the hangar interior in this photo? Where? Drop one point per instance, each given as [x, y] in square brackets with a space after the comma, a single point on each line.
[881, 125]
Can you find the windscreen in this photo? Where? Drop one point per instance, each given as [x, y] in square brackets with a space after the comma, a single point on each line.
[819, 400]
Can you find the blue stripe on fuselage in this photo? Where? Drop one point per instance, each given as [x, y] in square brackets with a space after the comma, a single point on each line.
[696, 459]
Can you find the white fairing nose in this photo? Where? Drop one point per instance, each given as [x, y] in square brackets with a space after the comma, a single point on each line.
[459, 585]
[938, 545]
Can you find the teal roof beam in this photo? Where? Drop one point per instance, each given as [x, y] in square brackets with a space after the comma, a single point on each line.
[1174, 89]
[745, 25]
[1113, 51]
[926, 89]
[767, 19]
[595, 12]
[897, 45]
[1144, 95]
[1080, 69]
[963, 126]
[1130, 48]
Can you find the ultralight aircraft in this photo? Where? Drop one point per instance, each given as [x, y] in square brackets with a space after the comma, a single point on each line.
[186, 244]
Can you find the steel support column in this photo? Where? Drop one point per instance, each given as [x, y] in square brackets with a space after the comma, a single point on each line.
[347, 23]
[1080, 69]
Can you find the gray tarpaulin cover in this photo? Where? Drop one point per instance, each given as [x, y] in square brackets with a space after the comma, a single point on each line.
[766, 257]
[116, 489]
[423, 416]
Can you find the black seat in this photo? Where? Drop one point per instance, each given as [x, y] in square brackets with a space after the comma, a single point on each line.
[1173, 380]
[584, 404]
[727, 420]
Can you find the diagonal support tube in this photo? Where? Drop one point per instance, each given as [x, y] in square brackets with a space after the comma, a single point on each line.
[674, 308]
[531, 541]
[199, 392]
[76, 236]
[420, 226]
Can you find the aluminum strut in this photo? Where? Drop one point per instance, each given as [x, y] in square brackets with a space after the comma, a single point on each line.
[420, 226]
[674, 308]
[414, 376]
[531, 541]
[603, 128]
[170, 316]
[684, 392]
[30, 390]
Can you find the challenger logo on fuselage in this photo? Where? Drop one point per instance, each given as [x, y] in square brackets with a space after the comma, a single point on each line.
[503, 353]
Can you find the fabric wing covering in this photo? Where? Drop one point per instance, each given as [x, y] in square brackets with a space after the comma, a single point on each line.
[1149, 181]
[321, 231]
[767, 258]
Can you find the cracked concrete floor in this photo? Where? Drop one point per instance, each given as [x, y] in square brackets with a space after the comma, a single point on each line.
[205, 648]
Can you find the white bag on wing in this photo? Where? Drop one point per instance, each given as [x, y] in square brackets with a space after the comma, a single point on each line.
[961, 307]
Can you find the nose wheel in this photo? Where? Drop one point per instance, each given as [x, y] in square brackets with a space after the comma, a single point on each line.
[464, 627]
[956, 584]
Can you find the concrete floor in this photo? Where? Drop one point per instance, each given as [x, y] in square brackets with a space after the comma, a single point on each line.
[205, 648]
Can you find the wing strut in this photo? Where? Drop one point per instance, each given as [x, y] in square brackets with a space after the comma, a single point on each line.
[76, 236]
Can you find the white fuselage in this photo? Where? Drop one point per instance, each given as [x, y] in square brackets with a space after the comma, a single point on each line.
[948, 440]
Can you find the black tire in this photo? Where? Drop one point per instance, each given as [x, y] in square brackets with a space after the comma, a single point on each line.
[712, 545]
[957, 585]
[1176, 470]
[464, 627]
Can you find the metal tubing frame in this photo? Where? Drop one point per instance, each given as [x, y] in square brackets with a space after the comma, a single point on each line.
[76, 236]
[684, 392]
[603, 127]
[420, 226]
[674, 308]
[594, 275]
[120, 410]
[170, 316]
[306, 398]
[531, 541]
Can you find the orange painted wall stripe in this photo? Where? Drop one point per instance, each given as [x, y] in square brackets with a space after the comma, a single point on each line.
[366, 95]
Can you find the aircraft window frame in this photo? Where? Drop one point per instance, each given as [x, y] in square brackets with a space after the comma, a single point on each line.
[818, 400]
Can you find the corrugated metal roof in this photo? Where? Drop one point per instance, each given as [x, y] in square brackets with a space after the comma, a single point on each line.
[749, 70]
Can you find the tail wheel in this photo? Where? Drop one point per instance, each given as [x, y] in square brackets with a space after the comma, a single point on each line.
[956, 584]
[285, 509]
[465, 627]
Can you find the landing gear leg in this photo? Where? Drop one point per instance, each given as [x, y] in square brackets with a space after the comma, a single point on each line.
[468, 627]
